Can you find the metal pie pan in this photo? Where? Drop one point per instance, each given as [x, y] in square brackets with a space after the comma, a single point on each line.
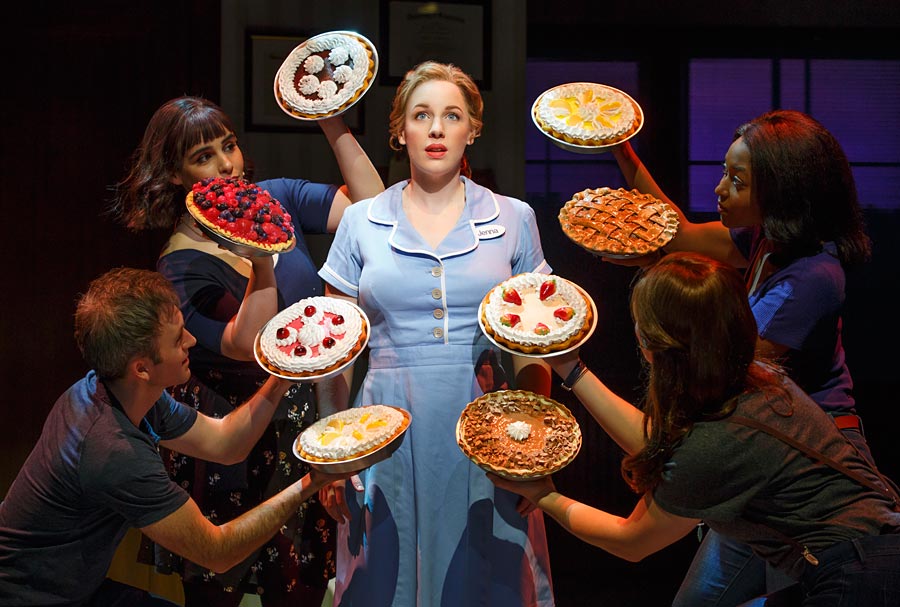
[587, 149]
[358, 463]
[240, 248]
[310, 117]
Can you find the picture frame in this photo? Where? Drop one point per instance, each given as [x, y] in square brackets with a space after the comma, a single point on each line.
[456, 32]
[265, 51]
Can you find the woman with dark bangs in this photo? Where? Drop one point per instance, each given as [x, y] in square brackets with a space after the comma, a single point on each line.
[225, 300]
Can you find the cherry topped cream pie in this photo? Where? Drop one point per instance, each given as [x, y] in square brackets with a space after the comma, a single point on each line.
[325, 75]
[518, 434]
[242, 213]
[536, 314]
[618, 223]
[312, 338]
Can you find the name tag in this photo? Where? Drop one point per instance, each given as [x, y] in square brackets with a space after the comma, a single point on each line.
[490, 231]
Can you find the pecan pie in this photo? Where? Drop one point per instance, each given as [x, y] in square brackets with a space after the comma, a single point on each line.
[618, 223]
[518, 434]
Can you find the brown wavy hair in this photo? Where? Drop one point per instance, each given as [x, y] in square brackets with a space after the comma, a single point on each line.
[146, 198]
[692, 314]
[425, 72]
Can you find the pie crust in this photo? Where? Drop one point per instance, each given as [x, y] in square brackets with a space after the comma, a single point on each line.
[483, 433]
[522, 337]
[316, 428]
[618, 223]
[241, 213]
[325, 75]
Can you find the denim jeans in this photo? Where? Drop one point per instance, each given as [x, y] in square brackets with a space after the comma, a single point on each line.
[855, 573]
[725, 573]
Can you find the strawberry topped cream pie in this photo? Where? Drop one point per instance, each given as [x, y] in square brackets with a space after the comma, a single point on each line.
[313, 337]
[241, 213]
[535, 313]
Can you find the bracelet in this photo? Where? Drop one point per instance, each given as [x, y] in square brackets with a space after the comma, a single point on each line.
[574, 375]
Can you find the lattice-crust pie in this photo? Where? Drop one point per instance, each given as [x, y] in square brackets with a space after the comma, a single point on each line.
[518, 434]
[312, 338]
[587, 114]
[352, 433]
[536, 313]
[618, 223]
[325, 75]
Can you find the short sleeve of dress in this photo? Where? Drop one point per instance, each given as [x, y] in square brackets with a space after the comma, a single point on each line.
[529, 256]
[343, 265]
[201, 282]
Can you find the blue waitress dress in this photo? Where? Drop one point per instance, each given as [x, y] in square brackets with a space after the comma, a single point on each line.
[430, 529]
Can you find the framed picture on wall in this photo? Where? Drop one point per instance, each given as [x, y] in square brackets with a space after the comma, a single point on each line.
[265, 51]
[456, 32]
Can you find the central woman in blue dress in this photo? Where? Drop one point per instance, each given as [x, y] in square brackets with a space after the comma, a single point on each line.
[429, 528]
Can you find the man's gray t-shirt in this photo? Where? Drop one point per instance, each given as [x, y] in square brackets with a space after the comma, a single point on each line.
[91, 476]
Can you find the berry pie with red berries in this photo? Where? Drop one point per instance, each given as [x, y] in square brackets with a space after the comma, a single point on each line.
[533, 313]
[236, 212]
[312, 338]
[325, 75]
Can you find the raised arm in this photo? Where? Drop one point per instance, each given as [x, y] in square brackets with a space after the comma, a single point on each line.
[260, 304]
[360, 177]
[710, 238]
[188, 533]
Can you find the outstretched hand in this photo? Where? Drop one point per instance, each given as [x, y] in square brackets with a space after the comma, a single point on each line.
[531, 491]
[333, 497]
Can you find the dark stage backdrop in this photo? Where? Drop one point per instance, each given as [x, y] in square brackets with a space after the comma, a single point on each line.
[86, 78]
